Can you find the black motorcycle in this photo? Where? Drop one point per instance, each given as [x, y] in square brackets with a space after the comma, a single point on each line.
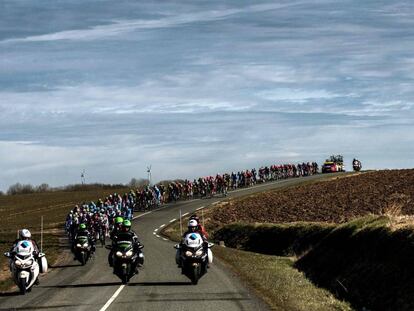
[82, 249]
[125, 259]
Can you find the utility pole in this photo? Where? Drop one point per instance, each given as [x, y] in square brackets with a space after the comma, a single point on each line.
[149, 175]
[83, 177]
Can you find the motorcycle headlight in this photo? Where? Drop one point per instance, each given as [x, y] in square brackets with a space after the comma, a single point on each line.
[199, 252]
[129, 253]
[188, 253]
[78, 245]
[85, 245]
[18, 263]
[118, 253]
[28, 264]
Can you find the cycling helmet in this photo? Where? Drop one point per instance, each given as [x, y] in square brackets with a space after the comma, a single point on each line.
[82, 227]
[119, 220]
[24, 234]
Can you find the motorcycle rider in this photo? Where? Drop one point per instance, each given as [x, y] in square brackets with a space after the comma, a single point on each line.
[25, 235]
[127, 234]
[193, 227]
[117, 226]
[116, 229]
[83, 231]
[201, 228]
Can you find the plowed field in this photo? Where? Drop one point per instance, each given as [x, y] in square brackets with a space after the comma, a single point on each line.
[334, 201]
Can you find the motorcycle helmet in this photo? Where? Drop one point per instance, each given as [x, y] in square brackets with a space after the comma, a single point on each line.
[195, 217]
[82, 227]
[126, 225]
[193, 225]
[119, 220]
[24, 234]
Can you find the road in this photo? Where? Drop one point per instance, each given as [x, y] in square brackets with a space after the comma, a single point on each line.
[159, 286]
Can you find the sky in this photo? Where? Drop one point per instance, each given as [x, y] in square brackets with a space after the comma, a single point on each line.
[195, 88]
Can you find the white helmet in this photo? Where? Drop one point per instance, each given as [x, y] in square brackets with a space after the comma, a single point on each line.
[192, 224]
[25, 234]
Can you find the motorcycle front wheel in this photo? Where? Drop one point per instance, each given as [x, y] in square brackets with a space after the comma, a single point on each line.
[22, 286]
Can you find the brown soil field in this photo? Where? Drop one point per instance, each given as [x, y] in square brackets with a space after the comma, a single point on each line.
[389, 192]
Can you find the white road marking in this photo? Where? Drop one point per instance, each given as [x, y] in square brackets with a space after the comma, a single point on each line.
[172, 220]
[201, 207]
[165, 239]
[156, 230]
[154, 233]
[157, 236]
[184, 214]
[142, 215]
[163, 225]
[111, 300]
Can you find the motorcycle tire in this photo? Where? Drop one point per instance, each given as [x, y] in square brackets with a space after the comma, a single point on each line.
[195, 275]
[124, 278]
[83, 259]
[22, 286]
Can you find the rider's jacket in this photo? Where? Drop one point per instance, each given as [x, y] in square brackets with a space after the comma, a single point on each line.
[127, 236]
[35, 246]
[200, 232]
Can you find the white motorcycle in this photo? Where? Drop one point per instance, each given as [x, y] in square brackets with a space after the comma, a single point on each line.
[194, 255]
[24, 267]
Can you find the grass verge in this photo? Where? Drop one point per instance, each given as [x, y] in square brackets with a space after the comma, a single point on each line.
[273, 278]
[277, 282]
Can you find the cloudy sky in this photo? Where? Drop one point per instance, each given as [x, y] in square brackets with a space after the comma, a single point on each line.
[196, 87]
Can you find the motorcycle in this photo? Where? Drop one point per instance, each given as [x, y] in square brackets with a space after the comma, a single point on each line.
[195, 256]
[357, 166]
[24, 267]
[125, 259]
[82, 249]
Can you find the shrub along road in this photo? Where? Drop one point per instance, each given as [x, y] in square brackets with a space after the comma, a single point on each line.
[159, 284]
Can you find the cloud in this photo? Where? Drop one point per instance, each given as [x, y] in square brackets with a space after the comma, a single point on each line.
[297, 95]
[124, 26]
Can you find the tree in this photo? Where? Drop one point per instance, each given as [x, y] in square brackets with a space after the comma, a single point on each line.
[43, 188]
[18, 188]
[138, 183]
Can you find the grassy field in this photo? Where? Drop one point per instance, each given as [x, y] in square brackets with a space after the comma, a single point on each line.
[26, 210]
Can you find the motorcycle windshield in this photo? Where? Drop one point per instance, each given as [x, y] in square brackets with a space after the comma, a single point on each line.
[123, 245]
[82, 239]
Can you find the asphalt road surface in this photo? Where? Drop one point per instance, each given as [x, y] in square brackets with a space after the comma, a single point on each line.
[158, 286]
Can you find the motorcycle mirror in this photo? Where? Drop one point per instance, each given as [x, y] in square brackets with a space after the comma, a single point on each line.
[210, 245]
[140, 246]
[42, 255]
[7, 254]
